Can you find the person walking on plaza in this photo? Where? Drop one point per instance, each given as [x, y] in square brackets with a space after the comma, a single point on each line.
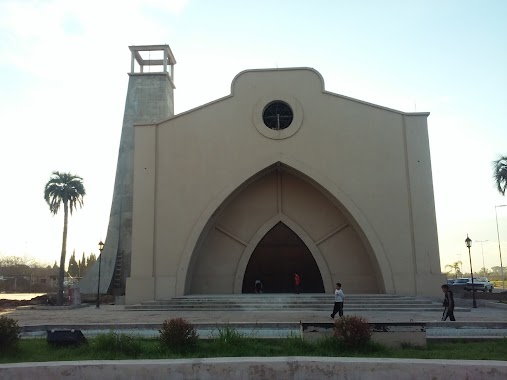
[448, 303]
[297, 282]
[338, 301]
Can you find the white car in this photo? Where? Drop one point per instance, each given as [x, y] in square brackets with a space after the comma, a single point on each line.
[488, 286]
[480, 283]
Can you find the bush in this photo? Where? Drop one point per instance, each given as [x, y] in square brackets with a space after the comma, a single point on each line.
[117, 344]
[9, 333]
[352, 331]
[229, 335]
[178, 334]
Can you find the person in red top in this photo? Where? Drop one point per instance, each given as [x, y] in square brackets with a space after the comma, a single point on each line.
[297, 282]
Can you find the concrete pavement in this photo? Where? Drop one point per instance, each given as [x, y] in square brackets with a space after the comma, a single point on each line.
[116, 314]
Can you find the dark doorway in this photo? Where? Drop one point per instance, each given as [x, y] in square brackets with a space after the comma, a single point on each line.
[279, 255]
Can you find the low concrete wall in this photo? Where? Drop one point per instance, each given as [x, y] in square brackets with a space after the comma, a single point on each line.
[465, 331]
[487, 296]
[497, 305]
[261, 368]
[460, 292]
[394, 334]
[151, 330]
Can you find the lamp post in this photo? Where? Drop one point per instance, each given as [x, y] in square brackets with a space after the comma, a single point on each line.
[482, 250]
[499, 249]
[468, 242]
[101, 247]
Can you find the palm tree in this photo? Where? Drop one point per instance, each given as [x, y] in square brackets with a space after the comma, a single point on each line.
[500, 174]
[456, 268]
[68, 189]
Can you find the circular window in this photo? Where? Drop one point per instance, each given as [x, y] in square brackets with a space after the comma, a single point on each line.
[277, 115]
[283, 117]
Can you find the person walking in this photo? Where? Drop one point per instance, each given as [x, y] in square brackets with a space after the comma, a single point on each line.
[258, 286]
[339, 297]
[448, 303]
[297, 282]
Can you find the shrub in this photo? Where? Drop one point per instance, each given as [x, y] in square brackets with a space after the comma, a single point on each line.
[117, 344]
[295, 345]
[352, 331]
[410, 346]
[9, 333]
[229, 335]
[178, 334]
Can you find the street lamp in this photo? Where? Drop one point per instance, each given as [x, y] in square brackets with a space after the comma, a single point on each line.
[482, 250]
[101, 247]
[499, 249]
[468, 242]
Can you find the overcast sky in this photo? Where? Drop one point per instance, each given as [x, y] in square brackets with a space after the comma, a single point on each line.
[63, 81]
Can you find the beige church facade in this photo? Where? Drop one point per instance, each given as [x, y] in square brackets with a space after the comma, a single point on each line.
[283, 177]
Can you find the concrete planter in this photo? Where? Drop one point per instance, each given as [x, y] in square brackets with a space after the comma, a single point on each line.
[260, 368]
[392, 335]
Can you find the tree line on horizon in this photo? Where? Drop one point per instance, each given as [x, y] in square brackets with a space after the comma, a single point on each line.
[456, 271]
[75, 268]
[20, 274]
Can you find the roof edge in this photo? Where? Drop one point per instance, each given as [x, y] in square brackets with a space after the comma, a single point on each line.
[186, 112]
[278, 69]
[426, 114]
[376, 105]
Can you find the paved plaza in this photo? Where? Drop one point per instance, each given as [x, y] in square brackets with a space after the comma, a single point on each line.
[116, 314]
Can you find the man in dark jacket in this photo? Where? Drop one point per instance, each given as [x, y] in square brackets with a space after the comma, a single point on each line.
[448, 304]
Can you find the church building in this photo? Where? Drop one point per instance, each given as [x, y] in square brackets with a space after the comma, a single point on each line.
[280, 177]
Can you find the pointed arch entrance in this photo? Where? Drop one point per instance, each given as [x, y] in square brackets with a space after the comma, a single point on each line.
[279, 255]
[336, 244]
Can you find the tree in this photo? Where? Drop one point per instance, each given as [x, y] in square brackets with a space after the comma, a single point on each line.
[9, 261]
[500, 174]
[73, 266]
[496, 273]
[456, 268]
[91, 260]
[66, 189]
[82, 266]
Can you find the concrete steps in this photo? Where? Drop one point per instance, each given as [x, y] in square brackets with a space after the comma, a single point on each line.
[289, 302]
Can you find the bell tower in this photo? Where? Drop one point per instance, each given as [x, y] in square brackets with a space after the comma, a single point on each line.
[150, 98]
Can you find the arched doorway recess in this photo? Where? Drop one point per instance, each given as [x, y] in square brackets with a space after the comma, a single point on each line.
[227, 243]
[279, 255]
